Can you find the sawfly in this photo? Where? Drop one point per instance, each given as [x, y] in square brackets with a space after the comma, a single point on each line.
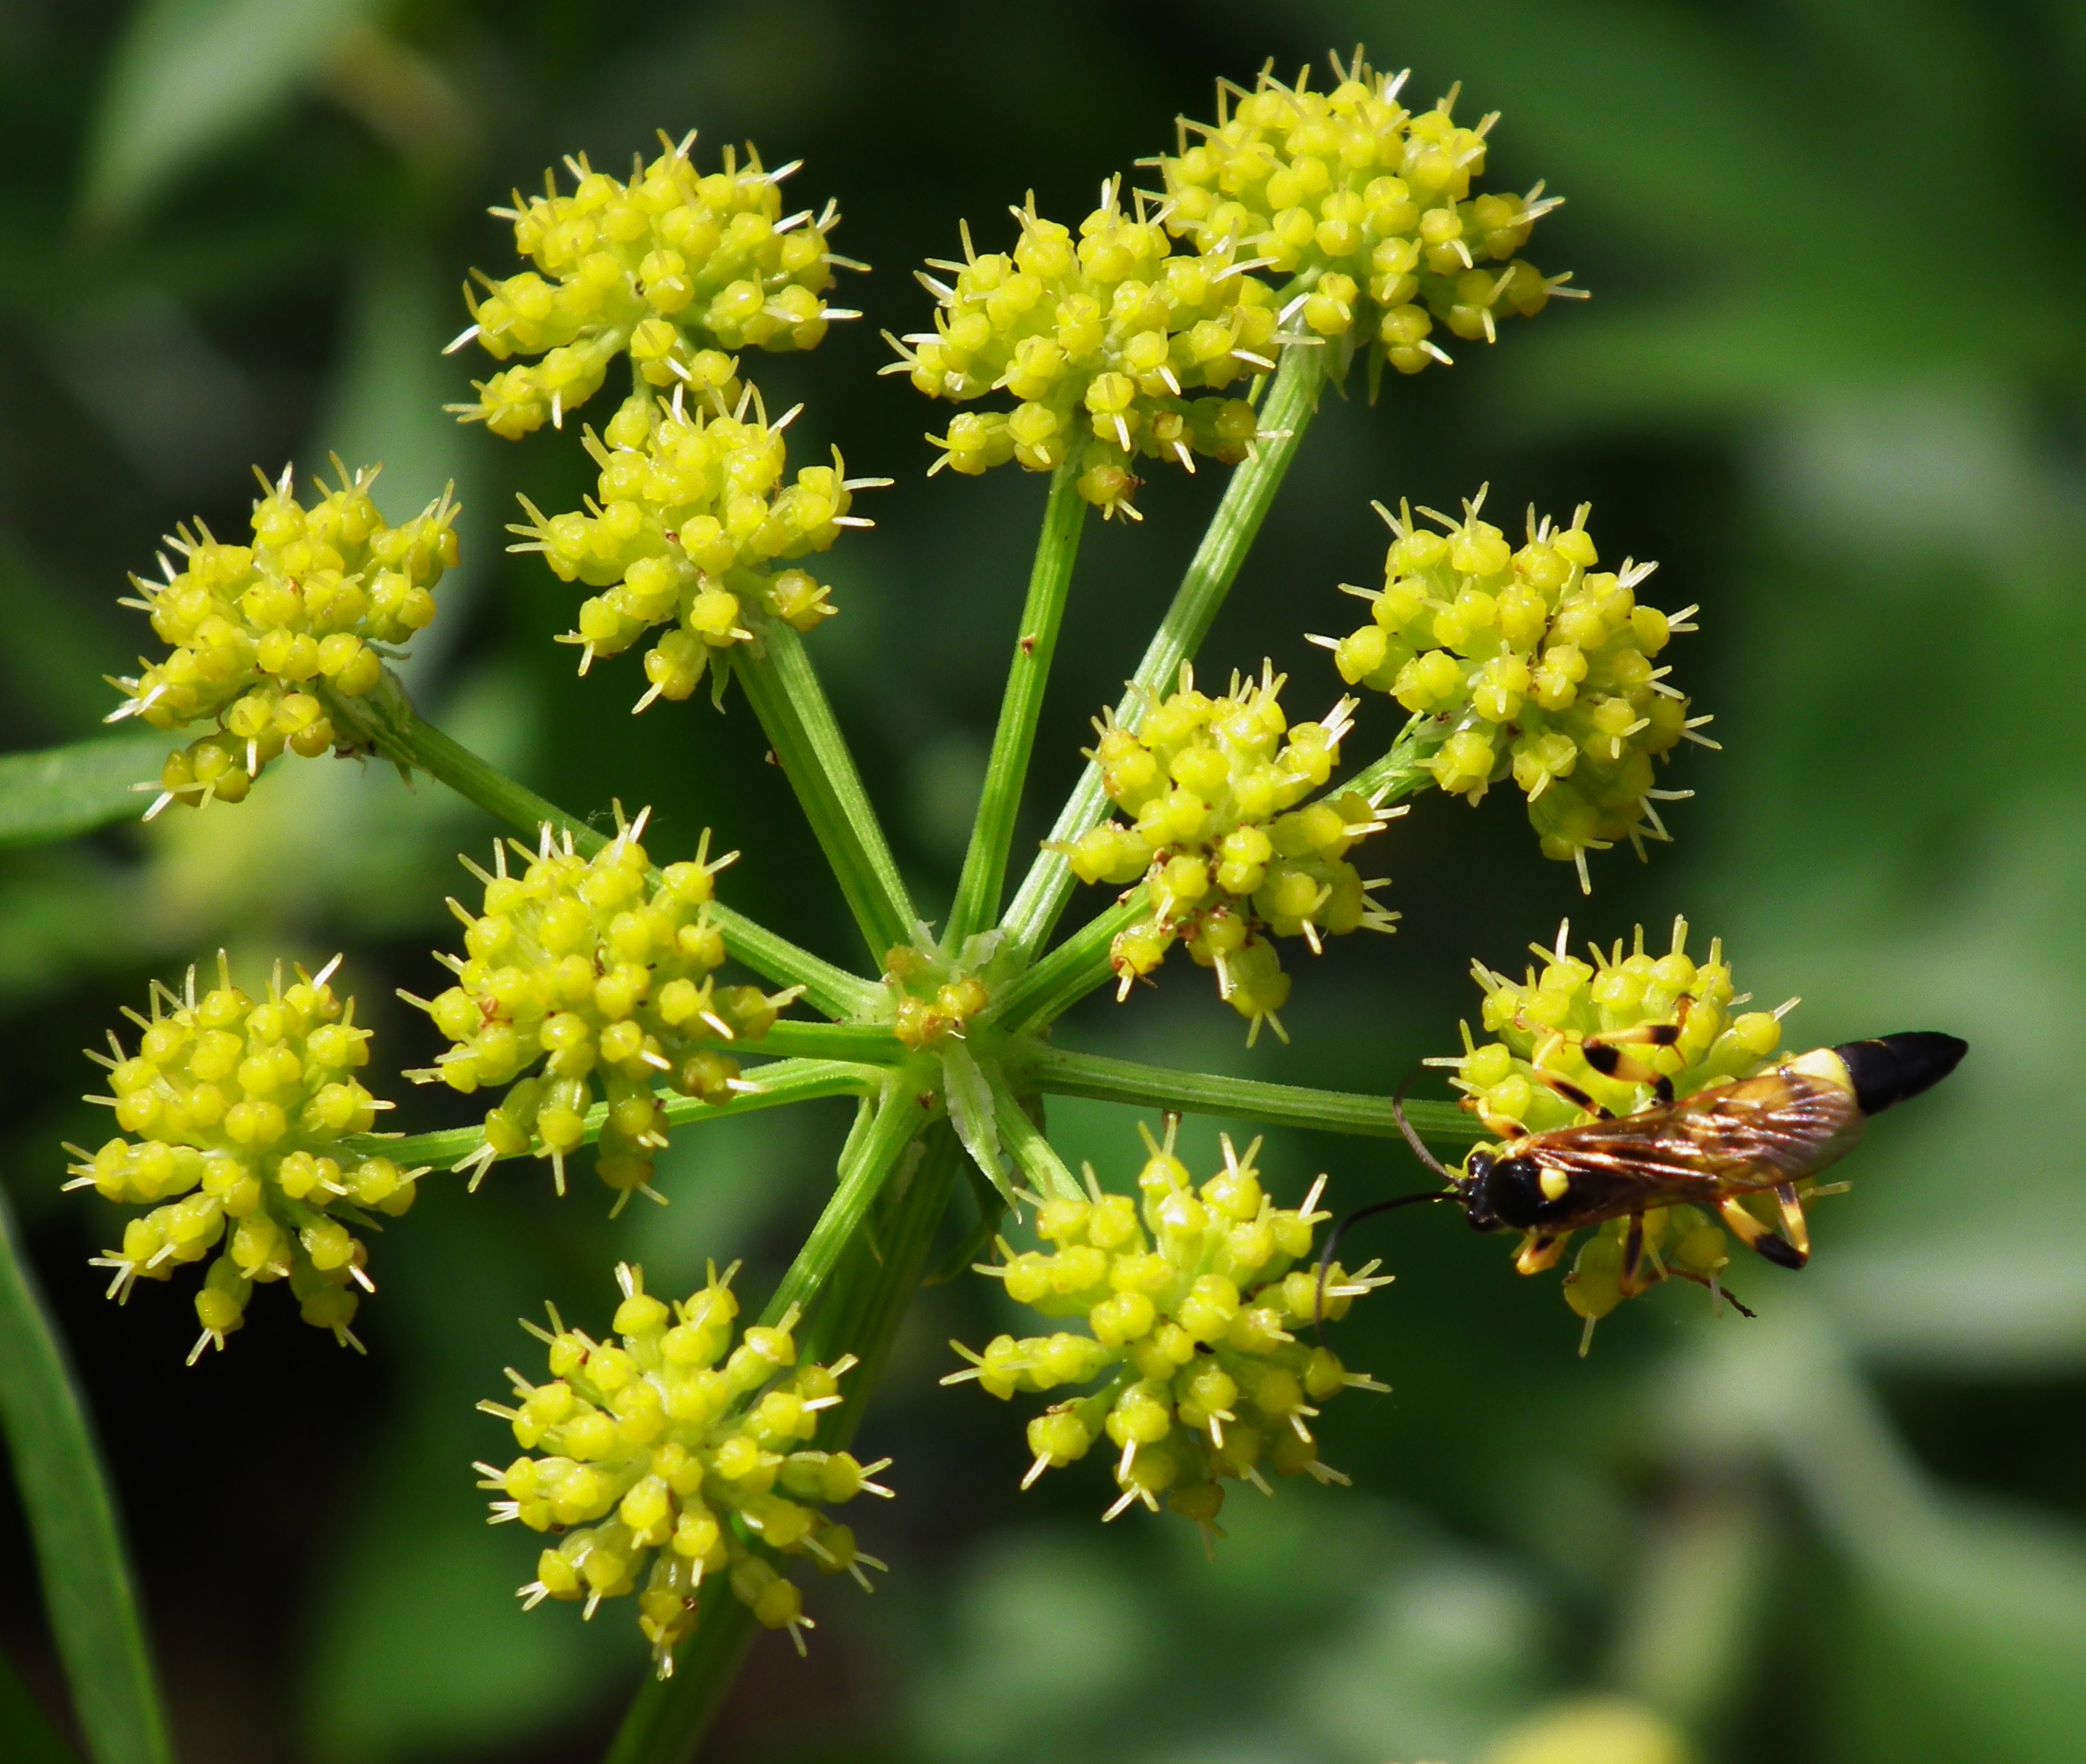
[1761, 1135]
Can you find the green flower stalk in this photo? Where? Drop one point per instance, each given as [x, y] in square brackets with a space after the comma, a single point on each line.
[1228, 857]
[1101, 340]
[678, 1449]
[1534, 1077]
[678, 269]
[1191, 1299]
[695, 509]
[1528, 664]
[258, 632]
[581, 972]
[246, 1126]
[1362, 209]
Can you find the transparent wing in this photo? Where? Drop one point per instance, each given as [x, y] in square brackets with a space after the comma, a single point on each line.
[1753, 1134]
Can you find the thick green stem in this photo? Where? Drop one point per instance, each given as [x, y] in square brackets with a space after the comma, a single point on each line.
[900, 1114]
[1292, 401]
[1076, 967]
[784, 1082]
[1105, 1080]
[791, 704]
[669, 1717]
[1014, 741]
[87, 1587]
[386, 720]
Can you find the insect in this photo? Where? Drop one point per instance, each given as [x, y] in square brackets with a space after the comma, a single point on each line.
[1763, 1134]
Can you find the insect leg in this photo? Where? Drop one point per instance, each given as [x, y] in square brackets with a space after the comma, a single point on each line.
[1633, 1258]
[1571, 1093]
[1540, 1250]
[1794, 1226]
[1761, 1238]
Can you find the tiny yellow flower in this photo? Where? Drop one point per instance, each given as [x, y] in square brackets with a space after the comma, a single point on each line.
[240, 1116]
[678, 268]
[581, 973]
[1228, 857]
[1191, 1298]
[694, 513]
[676, 1448]
[258, 632]
[1530, 664]
[1102, 340]
[1362, 209]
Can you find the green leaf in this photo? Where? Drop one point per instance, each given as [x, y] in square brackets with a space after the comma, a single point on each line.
[189, 75]
[57, 792]
[87, 1587]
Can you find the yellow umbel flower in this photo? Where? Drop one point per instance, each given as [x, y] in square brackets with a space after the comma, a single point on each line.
[674, 266]
[583, 966]
[1531, 664]
[671, 1450]
[1101, 340]
[243, 1111]
[1534, 1076]
[1363, 210]
[694, 510]
[256, 629]
[1191, 1324]
[1228, 855]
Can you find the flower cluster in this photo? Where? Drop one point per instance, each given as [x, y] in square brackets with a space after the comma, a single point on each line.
[239, 1115]
[655, 1445]
[1101, 340]
[1667, 1025]
[694, 510]
[674, 266]
[1190, 1322]
[1226, 853]
[600, 974]
[1364, 205]
[1532, 664]
[257, 630]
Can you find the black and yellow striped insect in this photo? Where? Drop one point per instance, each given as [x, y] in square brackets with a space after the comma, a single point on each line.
[1761, 1135]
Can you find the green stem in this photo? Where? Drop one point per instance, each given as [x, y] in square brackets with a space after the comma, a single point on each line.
[900, 1116]
[1014, 741]
[1403, 771]
[87, 1585]
[1292, 401]
[1105, 1080]
[1077, 965]
[1048, 1173]
[385, 719]
[791, 704]
[868, 1044]
[668, 1718]
[785, 1082]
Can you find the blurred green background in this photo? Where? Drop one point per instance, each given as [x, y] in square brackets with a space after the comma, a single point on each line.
[1831, 378]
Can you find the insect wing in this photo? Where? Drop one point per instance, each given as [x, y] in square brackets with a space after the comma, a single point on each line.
[1753, 1134]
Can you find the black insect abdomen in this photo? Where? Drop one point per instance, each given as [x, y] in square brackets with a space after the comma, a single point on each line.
[1892, 1067]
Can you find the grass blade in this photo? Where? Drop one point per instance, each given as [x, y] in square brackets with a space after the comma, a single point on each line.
[87, 1585]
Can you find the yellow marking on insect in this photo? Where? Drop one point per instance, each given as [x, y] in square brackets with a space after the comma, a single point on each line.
[1822, 1062]
[1556, 1184]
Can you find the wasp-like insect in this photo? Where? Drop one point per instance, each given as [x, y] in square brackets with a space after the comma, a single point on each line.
[1752, 1135]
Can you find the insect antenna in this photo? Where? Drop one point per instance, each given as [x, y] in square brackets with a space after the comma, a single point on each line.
[1340, 1230]
[1411, 1138]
